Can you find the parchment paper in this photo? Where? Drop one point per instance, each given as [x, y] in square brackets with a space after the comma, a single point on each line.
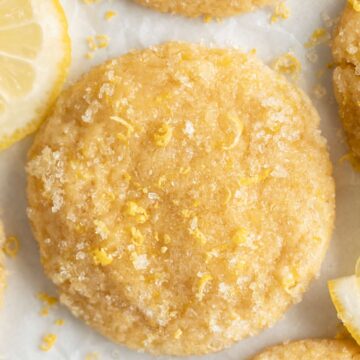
[21, 326]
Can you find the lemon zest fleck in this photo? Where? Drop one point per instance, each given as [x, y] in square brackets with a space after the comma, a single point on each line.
[163, 135]
[239, 128]
[102, 41]
[167, 239]
[137, 236]
[240, 236]
[101, 257]
[59, 322]
[129, 128]
[133, 209]
[110, 14]
[178, 334]
[47, 299]
[245, 181]
[203, 282]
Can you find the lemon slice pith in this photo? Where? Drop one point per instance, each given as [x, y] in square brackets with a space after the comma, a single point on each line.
[345, 294]
[35, 55]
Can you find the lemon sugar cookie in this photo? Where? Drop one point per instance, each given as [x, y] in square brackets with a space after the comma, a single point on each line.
[313, 350]
[194, 8]
[346, 50]
[182, 197]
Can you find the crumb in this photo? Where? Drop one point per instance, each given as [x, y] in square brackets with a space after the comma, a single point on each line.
[48, 341]
[12, 246]
[281, 12]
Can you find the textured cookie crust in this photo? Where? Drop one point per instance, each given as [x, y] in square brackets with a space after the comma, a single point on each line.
[182, 197]
[313, 350]
[346, 50]
[194, 8]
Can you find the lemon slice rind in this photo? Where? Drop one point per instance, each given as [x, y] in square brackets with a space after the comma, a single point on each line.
[51, 69]
[345, 295]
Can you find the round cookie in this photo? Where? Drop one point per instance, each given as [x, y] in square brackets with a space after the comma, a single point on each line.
[346, 50]
[313, 350]
[194, 8]
[182, 197]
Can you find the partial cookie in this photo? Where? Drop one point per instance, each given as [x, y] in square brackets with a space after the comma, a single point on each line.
[346, 50]
[182, 197]
[2, 263]
[194, 8]
[313, 350]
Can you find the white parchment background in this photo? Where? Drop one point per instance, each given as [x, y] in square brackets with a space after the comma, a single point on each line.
[21, 327]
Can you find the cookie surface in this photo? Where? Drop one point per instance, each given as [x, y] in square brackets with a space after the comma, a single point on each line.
[194, 8]
[346, 50]
[182, 197]
[313, 350]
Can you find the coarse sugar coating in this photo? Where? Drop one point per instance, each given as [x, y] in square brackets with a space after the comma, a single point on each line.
[194, 8]
[327, 349]
[182, 197]
[346, 50]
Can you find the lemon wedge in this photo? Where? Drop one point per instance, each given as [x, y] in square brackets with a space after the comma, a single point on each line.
[35, 55]
[345, 294]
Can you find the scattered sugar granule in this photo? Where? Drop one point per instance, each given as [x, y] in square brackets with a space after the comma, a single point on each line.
[101, 229]
[207, 19]
[317, 37]
[281, 12]
[140, 262]
[48, 341]
[355, 4]
[312, 56]
[287, 64]
[11, 246]
[189, 129]
[352, 49]
[319, 91]
[110, 14]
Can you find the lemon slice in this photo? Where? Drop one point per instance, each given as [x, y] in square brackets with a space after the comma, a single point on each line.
[35, 56]
[345, 294]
